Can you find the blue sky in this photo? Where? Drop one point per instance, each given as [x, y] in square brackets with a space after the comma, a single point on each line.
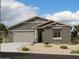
[16, 11]
[52, 6]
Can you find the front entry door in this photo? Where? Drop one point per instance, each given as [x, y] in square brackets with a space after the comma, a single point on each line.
[39, 35]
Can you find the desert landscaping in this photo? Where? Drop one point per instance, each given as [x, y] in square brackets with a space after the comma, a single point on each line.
[39, 51]
[44, 48]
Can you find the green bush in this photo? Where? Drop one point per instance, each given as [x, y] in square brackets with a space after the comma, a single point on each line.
[1, 40]
[25, 49]
[75, 51]
[64, 47]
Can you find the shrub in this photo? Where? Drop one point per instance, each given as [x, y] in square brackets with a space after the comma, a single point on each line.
[25, 49]
[33, 43]
[75, 41]
[75, 51]
[1, 40]
[48, 46]
[63, 47]
[46, 43]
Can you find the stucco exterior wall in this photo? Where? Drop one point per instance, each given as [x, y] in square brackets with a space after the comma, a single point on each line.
[25, 26]
[66, 35]
[47, 36]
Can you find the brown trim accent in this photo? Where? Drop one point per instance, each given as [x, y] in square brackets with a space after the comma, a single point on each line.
[43, 24]
[46, 25]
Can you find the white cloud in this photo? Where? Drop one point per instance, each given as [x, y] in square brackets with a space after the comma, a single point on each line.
[13, 12]
[67, 17]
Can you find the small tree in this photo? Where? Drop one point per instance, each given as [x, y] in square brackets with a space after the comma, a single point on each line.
[3, 30]
[1, 40]
[75, 31]
[77, 28]
[75, 38]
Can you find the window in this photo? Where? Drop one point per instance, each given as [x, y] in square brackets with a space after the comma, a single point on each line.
[56, 33]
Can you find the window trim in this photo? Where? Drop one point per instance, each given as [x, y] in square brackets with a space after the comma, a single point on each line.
[57, 38]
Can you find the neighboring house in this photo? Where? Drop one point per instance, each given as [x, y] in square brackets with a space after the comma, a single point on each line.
[38, 29]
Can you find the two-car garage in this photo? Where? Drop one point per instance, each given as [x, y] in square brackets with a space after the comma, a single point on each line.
[23, 36]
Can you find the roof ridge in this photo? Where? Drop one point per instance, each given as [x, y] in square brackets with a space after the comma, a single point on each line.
[39, 24]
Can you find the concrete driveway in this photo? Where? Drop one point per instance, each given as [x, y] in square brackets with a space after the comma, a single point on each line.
[11, 47]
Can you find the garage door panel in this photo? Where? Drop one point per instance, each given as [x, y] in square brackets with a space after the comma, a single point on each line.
[23, 36]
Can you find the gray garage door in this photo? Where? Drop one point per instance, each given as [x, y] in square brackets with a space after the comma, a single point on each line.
[23, 36]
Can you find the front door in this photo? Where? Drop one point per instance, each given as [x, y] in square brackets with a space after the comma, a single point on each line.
[39, 35]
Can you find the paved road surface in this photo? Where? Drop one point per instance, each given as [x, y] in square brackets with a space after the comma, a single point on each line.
[11, 55]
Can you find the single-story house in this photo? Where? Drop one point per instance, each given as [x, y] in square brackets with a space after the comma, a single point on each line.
[38, 29]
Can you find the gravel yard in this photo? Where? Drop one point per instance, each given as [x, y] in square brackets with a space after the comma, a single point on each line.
[38, 48]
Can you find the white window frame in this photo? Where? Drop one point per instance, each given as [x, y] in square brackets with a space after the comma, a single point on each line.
[57, 38]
